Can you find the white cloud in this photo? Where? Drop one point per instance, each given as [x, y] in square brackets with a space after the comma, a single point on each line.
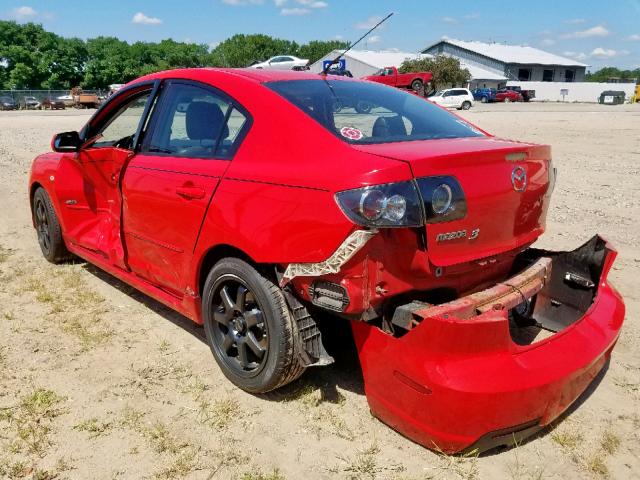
[374, 39]
[295, 11]
[449, 20]
[575, 21]
[21, 13]
[597, 31]
[369, 22]
[240, 3]
[143, 19]
[547, 42]
[576, 55]
[279, 3]
[312, 3]
[472, 16]
[607, 53]
[634, 38]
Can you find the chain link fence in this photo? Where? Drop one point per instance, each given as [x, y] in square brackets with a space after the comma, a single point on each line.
[18, 96]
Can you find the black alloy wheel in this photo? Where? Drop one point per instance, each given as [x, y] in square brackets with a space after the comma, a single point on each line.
[240, 331]
[42, 225]
[249, 327]
[48, 228]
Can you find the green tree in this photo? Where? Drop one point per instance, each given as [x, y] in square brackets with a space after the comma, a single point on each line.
[20, 76]
[245, 50]
[607, 73]
[446, 71]
[316, 49]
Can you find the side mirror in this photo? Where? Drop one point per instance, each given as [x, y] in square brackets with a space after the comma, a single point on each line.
[66, 142]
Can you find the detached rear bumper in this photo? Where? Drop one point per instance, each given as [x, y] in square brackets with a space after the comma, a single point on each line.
[457, 380]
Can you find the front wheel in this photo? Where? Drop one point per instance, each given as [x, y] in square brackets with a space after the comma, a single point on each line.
[484, 100]
[48, 228]
[507, 100]
[249, 328]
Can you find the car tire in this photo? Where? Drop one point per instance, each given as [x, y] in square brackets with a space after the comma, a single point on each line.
[466, 105]
[484, 100]
[417, 85]
[363, 107]
[48, 228]
[507, 100]
[249, 327]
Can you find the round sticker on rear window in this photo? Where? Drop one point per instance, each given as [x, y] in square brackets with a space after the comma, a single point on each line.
[352, 133]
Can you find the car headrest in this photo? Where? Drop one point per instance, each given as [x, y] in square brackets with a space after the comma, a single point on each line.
[204, 121]
[389, 127]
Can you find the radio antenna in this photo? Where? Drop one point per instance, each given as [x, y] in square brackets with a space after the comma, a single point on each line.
[337, 59]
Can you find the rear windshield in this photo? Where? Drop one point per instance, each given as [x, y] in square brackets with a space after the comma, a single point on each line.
[363, 112]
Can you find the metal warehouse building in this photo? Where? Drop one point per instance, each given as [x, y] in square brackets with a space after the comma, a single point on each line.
[515, 62]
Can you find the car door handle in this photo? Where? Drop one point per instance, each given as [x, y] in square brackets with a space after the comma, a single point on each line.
[190, 192]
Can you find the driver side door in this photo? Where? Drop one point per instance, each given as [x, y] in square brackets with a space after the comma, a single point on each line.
[90, 194]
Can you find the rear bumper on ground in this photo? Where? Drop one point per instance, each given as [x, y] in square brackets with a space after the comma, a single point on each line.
[456, 381]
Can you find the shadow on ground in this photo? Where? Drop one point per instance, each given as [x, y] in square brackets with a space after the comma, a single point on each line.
[344, 373]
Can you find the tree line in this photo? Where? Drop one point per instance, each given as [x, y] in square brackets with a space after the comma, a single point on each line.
[31, 57]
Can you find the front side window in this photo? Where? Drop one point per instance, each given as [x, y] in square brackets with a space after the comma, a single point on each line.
[363, 112]
[195, 122]
[120, 130]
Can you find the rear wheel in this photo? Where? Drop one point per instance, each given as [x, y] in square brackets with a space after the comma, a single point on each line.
[484, 99]
[249, 328]
[48, 228]
[417, 85]
[507, 100]
[363, 107]
[466, 105]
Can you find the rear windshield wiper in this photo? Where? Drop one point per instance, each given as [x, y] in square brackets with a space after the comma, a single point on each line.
[154, 149]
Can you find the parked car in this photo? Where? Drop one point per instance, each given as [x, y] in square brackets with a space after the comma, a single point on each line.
[612, 97]
[67, 99]
[281, 62]
[416, 81]
[504, 95]
[484, 95]
[30, 103]
[8, 103]
[53, 103]
[460, 98]
[527, 95]
[386, 218]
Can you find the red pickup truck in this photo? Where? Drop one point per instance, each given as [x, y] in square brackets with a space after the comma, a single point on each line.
[390, 76]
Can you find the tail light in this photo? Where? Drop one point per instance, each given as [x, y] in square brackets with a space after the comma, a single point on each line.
[405, 204]
[443, 199]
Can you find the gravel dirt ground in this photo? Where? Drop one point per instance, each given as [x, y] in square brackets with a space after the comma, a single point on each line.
[99, 381]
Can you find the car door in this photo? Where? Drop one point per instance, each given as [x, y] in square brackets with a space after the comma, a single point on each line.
[167, 187]
[88, 180]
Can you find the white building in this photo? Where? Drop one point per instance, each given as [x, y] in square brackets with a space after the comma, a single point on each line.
[367, 62]
[515, 62]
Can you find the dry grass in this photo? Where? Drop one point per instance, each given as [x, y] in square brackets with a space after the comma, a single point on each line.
[259, 475]
[93, 427]
[218, 414]
[75, 307]
[5, 253]
[610, 442]
[30, 421]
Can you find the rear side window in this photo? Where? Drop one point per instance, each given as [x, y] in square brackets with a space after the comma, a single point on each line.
[364, 112]
[195, 122]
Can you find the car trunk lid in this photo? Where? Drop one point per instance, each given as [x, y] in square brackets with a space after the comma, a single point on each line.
[502, 212]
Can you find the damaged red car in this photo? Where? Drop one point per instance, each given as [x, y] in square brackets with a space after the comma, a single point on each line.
[246, 201]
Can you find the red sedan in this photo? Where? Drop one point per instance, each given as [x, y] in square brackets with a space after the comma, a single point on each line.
[243, 200]
[508, 96]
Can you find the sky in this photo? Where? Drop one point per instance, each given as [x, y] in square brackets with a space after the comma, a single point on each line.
[598, 33]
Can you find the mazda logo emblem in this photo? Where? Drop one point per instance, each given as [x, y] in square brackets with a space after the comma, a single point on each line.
[519, 179]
